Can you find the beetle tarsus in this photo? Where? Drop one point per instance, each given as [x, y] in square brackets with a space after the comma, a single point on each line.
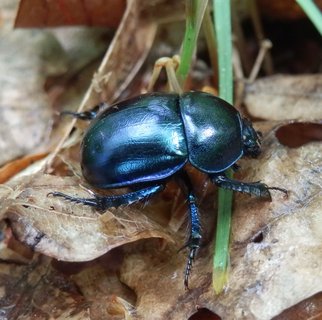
[85, 201]
[188, 268]
[257, 189]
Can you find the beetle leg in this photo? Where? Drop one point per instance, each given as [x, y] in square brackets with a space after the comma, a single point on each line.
[195, 236]
[255, 188]
[86, 115]
[195, 228]
[102, 203]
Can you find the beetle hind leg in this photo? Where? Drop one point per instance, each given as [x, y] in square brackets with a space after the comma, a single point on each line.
[257, 189]
[102, 203]
[195, 237]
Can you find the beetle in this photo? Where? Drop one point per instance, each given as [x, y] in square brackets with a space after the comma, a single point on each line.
[142, 142]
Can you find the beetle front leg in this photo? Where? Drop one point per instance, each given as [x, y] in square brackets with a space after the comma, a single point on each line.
[257, 189]
[194, 240]
[102, 203]
[86, 115]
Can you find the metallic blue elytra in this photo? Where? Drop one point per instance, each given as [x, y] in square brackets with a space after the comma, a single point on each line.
[142, 142]
[151, 137]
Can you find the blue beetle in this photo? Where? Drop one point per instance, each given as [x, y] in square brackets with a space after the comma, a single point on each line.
[142, 142]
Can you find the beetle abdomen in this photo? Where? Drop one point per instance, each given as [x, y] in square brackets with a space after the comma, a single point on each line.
[213, 130]
[142, 142]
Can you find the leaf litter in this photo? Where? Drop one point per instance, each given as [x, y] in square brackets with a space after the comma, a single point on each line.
[135, 270]
[266, 274]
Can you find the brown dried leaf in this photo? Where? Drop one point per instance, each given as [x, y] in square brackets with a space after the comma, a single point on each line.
[83, 46]
[101, 286]
[40, 14]
[118, 68]
[297, 134]
[276, 248]
[134, 36]
[12, 250]
[285, 97]
[15, 166]
[26, 60]
[67, 231]
[36, 291]
[310, 308]
[287, 9]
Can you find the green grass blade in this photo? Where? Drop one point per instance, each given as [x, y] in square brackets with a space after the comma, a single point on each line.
[224, 43]
[195, 10]
[313, 12]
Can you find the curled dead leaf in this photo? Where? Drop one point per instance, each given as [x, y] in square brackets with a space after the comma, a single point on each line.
[37, 14]
[100, 285]
[276, 247]
[310, 308]
[26, 116]
[286, 9]
[284, 97]
[67, 231]
[15, 166]
[37, 291]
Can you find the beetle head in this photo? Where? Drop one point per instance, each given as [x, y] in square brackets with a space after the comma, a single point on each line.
[251, 140]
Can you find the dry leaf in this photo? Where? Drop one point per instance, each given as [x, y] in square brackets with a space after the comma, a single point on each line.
[276, 248]
[40, 14]
[296, 134]
[287, 9]
[26, 60]
[12, 168]
[118, 68]
[36, 291]
[285, 97]
[67, 231]
[99, 283]
[310, 308]
[83, 46]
